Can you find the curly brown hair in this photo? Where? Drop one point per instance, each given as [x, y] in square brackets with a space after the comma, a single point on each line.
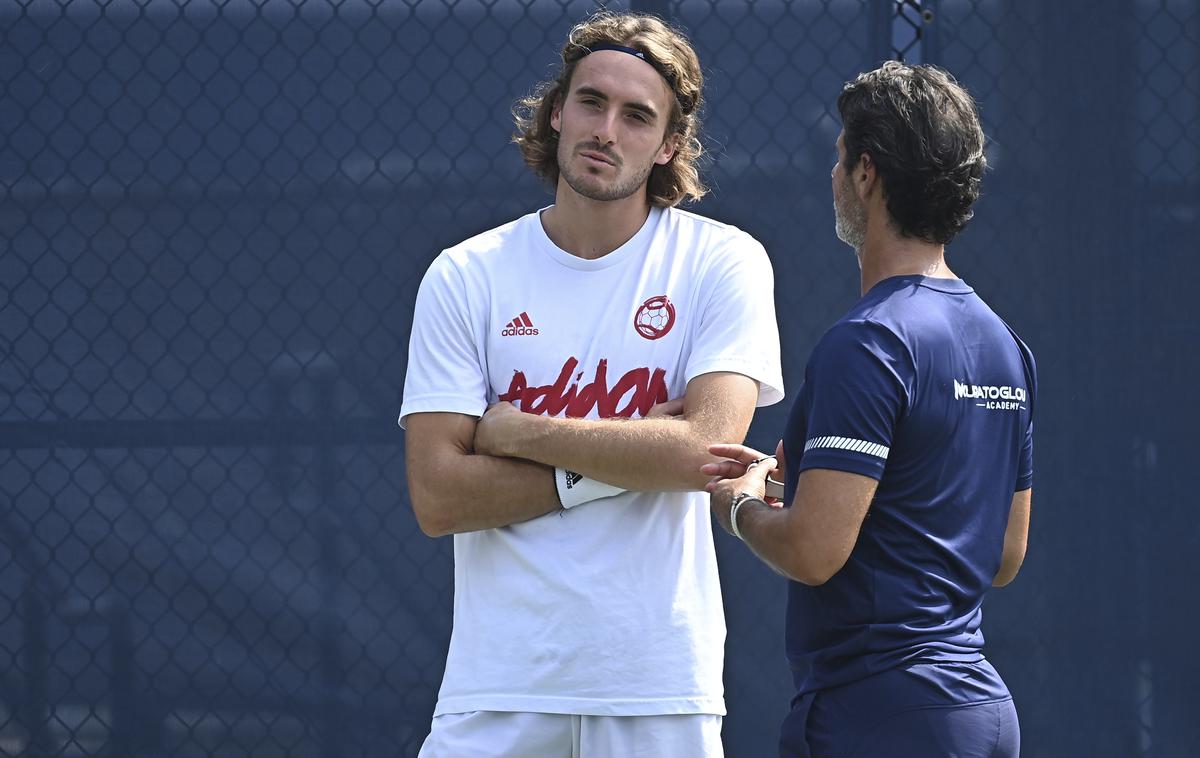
[921, 129]
[671, 53]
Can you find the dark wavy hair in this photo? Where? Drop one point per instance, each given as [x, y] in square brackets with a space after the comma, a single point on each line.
[921, 129]
[670, 52]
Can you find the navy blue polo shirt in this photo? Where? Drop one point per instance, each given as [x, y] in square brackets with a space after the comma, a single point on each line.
[922, 387]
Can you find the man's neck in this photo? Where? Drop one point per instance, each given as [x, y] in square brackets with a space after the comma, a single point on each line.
[592, 229]
[886, 254]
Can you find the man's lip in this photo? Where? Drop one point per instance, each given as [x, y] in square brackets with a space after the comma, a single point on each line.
[597, 157]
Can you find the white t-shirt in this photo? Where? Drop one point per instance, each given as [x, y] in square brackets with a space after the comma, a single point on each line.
[612, 608]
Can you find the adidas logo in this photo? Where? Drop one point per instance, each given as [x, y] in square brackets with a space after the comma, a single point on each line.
[573, 478]
[519, 327]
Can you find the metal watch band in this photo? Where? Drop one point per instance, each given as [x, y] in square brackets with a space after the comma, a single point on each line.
[738, 501]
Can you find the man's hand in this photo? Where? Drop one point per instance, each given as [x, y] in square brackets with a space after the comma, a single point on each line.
[743, 470]
[666, 409]
[497, 428]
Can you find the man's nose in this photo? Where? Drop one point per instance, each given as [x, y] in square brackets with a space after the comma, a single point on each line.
[606, 128]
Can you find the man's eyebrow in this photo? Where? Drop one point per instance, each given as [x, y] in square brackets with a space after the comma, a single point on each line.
[631, 104]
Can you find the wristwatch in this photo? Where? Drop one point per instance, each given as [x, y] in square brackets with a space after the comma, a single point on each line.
[738, 501]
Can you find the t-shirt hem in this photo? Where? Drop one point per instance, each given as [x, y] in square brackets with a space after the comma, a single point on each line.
[580, 706]
[440, 404]
[770, 388]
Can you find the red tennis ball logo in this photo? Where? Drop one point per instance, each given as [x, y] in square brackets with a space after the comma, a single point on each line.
[655, 318]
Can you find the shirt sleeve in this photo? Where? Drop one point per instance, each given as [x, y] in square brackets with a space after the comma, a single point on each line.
[445, 372]
[737, 331]
[1025, 461]
[856, 389]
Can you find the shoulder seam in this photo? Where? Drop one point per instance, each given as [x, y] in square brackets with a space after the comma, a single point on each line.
[706, 220]
[486, 234]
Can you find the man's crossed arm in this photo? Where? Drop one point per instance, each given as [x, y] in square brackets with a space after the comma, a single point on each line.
[466, 474]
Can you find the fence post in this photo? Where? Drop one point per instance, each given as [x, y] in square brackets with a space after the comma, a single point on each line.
[124, 701]
[879, 32]
[34, 710]
[931, 22]
[333, 727]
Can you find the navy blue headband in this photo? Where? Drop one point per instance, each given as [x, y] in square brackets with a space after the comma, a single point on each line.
[661, 69]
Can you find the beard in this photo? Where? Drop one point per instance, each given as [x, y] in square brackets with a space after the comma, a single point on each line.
[850, 215]
[593, 187]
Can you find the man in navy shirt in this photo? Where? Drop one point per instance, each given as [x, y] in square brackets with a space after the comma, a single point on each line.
[908, 454]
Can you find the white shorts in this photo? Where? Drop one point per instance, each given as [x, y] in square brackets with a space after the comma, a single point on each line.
[498, 734]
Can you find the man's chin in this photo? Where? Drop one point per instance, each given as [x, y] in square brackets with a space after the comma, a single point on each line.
[596, 191]
[850, 236]
[591, 192]
[600, 189]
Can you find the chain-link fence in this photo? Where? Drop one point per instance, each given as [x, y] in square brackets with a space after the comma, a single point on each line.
[214, 218]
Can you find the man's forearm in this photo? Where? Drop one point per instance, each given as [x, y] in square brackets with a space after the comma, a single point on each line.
[643, 454]
[809, 541]
[453, 490]
[658, 452]
[768, 534]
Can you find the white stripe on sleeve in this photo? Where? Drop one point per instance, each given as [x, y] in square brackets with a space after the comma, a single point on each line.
[846, 443]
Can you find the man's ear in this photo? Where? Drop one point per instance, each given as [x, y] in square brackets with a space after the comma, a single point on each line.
[670, 146]
[556, 114]
[865, 176]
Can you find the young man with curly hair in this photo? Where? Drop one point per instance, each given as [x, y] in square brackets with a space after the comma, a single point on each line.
[587, 610]
[908, 454]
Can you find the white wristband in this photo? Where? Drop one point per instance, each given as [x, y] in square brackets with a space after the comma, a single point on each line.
[576, 489]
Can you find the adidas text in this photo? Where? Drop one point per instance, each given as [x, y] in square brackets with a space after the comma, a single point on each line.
[518, 331]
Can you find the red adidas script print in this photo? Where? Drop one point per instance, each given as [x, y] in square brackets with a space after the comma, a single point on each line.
[642, 387]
